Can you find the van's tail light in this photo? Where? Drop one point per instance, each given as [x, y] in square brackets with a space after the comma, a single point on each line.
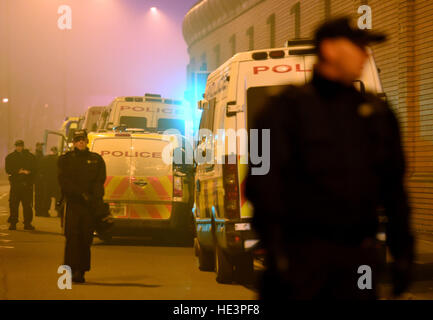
[231, 187]
[177, 187]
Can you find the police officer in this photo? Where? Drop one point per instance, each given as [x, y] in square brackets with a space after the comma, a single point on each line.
[336, 158]
[20, 166]
[40, 184]
[81, 176]
[49, 174]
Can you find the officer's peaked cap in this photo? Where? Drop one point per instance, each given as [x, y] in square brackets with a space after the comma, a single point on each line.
[79, 134]
[345, 28]
[19, 143]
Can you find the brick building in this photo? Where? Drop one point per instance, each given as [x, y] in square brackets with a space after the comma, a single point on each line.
[215, 30]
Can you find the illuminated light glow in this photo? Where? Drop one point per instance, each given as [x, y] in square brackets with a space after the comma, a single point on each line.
[153, 10]
[5, 100]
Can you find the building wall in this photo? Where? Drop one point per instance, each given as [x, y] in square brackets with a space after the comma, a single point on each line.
[405, 62]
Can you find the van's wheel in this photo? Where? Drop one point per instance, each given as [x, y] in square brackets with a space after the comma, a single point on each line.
[206, 259]
[244, 268]
[223, 267]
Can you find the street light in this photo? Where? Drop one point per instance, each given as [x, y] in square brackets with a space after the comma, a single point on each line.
[154, 10]
[5, 100]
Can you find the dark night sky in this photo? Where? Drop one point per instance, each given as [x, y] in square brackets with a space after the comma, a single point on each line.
[115, 48]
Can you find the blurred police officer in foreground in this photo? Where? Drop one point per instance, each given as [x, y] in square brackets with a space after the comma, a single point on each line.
[335, 159]
[81, 176]
[20, 166]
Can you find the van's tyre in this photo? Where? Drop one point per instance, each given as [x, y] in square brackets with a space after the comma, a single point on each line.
[206, 259]
[244, 268]
[223, 267]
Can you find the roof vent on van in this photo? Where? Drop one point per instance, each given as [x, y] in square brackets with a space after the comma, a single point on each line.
[277, 54]
[260, 55]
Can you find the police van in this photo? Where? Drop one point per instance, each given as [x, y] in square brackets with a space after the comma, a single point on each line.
[225, 241]
[150, 112]
[62, 139]
[91, 118]
[147, 192]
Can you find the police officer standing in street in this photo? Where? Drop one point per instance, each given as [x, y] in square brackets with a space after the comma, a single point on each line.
[81, 176]
[20, 166]
[336, 158]
[40, 184]
[49, 173]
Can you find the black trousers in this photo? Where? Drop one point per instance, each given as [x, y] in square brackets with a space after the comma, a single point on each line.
[21, 193]
[79, 227]
[324, 271]
[40, 197]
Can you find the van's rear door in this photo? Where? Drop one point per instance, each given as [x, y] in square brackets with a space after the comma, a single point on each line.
[151, 180]
[117, 155]
[258, 80]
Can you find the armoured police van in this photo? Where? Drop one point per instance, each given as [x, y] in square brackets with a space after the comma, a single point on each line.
[148, 193]
[225, 241]
[150, 112]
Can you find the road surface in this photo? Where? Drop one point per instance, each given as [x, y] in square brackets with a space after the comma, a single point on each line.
[129, 269]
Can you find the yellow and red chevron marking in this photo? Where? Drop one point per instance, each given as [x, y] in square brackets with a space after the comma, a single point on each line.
[149, 211]
[117, 188]
[123, 188]
[157, 188]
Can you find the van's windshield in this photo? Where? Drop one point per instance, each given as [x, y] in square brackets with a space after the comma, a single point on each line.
[133, 122]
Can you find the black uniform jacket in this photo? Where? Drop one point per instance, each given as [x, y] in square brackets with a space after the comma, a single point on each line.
[335, 157]
[20, 160]
[81, 172]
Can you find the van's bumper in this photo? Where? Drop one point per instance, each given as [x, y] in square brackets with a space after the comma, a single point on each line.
[180, 216]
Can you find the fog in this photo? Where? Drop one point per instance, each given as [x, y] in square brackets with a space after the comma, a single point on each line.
[114, 48]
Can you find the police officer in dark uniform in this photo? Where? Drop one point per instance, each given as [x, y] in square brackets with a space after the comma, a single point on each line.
[81, 177]
[20, 166]
[48, 171]
[40, 183]
[336, 159]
